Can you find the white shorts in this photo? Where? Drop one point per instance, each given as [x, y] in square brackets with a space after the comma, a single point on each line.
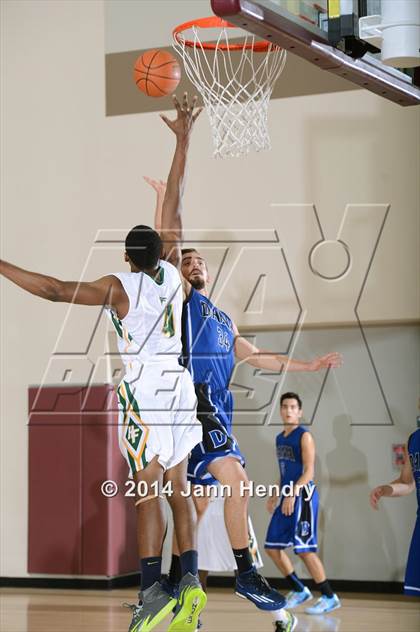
[157, 415]
[213, 545]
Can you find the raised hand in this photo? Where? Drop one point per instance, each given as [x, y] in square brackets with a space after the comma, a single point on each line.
[187, 114]
[158, 185]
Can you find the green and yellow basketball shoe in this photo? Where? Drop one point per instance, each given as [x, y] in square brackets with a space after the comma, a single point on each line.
[156, 605]
[191, 602]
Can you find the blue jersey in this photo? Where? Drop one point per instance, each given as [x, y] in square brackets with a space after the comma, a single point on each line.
[289, 455]
[414, 454]
[207, 339]
[300, 528]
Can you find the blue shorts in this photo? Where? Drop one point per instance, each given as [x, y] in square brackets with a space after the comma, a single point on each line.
[412, 573]
[214, 411]
[298, 530]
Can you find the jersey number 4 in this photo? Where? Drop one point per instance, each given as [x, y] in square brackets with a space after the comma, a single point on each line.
[168, 328]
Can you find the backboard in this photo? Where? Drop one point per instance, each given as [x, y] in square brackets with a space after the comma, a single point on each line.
[372, 43]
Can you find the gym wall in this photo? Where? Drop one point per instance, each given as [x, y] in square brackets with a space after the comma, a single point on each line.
[69, 171]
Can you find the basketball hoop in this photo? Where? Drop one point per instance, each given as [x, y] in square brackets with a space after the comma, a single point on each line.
[235, 79]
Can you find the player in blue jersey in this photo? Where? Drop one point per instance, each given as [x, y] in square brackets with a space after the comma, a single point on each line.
[294, 521]
[406, 483]
[210, 343]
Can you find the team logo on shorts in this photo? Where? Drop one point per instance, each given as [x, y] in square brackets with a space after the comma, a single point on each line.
[218, 438]
[305, 529]
[133, 434]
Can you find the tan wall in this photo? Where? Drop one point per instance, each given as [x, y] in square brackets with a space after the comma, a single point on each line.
[353, 437]
[68, 172]
[147, 24]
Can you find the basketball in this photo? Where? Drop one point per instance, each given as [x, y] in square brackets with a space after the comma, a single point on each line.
[157, 73]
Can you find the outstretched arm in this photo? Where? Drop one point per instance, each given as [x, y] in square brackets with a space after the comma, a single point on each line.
[160, 187]
[402, 486]
[245, 350]
[105, 291]
[171, 227]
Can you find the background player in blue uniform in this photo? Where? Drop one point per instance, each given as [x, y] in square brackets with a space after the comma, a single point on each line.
[406, 483]
[294, 521]
[210, 342]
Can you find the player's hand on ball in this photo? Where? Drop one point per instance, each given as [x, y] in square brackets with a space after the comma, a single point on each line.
[376, 494]
[187, 114]
[329, 361]
[158, 185]
[288, 505]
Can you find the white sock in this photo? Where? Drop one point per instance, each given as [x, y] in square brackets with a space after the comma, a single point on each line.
[280, 615]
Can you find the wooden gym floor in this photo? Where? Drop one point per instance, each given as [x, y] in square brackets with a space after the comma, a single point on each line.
[39, 610]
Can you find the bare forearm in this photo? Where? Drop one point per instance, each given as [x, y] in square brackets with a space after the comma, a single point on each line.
[39, 284]
[306, 478]
[399, 488]
[276, 362]
[394, 490]
[273, 496]
[244, 350]
[158, 212]
[104, 291]
[171, 231]
[172, 203]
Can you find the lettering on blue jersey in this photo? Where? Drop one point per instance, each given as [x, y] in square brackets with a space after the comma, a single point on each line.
[208, 311]
[223, 338]
[285, 452]
[415, 461]
[218, 438]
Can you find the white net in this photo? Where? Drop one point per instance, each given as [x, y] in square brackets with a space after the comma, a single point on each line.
[236, 87]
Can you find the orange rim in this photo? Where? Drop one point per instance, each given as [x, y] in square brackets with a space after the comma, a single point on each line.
[215, 22]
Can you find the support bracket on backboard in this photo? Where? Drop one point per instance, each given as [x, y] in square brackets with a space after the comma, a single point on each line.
[275, 24]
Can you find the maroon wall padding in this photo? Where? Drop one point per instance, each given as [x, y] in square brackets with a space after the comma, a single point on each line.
[73, 447]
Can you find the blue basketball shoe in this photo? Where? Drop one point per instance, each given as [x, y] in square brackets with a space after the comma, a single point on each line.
[324, 604]
[253, 586]
[295, 598]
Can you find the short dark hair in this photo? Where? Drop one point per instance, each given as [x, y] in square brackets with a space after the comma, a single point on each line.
[291, 396]
[143, 246]
[185, 251]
